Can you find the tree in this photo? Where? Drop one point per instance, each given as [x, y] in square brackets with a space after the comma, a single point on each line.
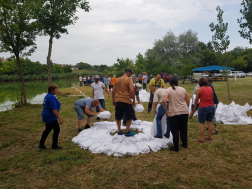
[201, 46]
[246, 27]
[240, 63]
[82, 66]
[67, 69]
[17, 33]
[188, 42]
[210, 46]
[219, 39]
[54, 16]
[186, 70]
[139, 63]
[208, 58]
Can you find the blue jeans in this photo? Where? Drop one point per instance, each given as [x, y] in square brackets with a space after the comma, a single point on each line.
[102, 102]
[160, 114]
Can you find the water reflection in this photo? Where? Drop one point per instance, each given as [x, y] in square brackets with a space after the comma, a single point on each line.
[10, 93]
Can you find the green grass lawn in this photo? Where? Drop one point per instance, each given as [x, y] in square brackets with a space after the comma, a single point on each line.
[224, 162]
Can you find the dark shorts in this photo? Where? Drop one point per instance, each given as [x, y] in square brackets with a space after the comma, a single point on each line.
[206, 114]
[110, 86]
[192, 107]
[122, 107]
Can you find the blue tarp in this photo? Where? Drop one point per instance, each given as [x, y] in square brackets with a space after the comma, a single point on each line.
[212, 68]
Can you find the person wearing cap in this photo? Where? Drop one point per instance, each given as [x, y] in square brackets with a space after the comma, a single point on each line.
[122, 94]
[97, 92]
[136, 88]
[86, 106]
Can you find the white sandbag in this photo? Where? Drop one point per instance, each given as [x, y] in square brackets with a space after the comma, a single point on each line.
[139, 108]
[153, 131]
[118, 138]
[153, 146]
[105, 114]
[142, 147]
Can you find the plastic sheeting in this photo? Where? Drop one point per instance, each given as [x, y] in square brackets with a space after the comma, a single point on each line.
[105, 114]
[153, 131]
[99, 140]
[232, 114]
[139, 108]
[144, 95]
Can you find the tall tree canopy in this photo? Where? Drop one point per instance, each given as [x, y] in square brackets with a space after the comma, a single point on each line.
[17, 32]
[246, 26]
[54, 16]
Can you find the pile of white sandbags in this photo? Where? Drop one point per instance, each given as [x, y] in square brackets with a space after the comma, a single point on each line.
[99, 140]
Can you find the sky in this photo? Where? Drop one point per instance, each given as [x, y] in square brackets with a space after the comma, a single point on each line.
[123, 28]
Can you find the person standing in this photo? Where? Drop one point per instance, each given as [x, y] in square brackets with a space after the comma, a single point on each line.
[105, 81]
[206, 109]
[80, 78]
[109, 83]
[86, 106]
[145, 78]
[134, 79]
[122, 94]
[154, 82]
[177, 113]
[113, 80]
[168, 78]
[97, 92]
[192, 106]
[216, 102]
[84, 80]
[50, 114]
[158, 98]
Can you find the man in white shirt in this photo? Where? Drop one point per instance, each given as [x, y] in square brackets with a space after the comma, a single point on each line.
[84, 80]
[97, 93]
[80, 78]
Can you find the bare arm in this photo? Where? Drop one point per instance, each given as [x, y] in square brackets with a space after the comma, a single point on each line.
[55, 112]
[132, 94]
[107, 91]
[197, 98]
[93, 94]
[164, 102]
[155, 107]
[87, 111]
[113, 94]
[138, 100]
[101, 109]
[187, 100]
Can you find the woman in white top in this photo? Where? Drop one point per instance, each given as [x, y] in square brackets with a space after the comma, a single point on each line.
[177, 113]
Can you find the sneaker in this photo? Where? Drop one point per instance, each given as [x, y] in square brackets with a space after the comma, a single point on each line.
[158, 136]
[98, 118]
[87, 127]
[129, 134]
[167, 136]
[42, 147]
[79, 130]
[121, 133]
[148, 111]
[57, 148]
[124, 124]
[173, 149]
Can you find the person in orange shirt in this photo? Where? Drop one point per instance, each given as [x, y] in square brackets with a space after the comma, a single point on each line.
[113, 80]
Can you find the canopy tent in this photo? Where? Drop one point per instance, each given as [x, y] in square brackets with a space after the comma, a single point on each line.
[212, 68]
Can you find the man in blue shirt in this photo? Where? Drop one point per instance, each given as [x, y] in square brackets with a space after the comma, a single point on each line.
[86, 106]
[216, 102]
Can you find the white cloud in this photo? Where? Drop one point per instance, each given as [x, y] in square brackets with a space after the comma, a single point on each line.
[123, 28]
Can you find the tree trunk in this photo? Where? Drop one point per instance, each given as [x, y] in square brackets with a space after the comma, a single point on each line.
[228, 89]
[48, 60]
[23, 97]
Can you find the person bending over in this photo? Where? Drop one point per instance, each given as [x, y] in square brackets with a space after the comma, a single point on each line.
[86, 106]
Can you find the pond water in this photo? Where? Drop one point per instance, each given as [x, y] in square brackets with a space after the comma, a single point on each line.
[10, 93]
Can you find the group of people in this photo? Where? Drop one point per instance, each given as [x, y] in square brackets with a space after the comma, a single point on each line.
[172, 102]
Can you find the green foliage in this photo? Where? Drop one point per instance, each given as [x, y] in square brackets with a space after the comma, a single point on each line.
[220, 39]
[186, 70]
[246, 26]
[82, 66]
[67, 69]
[239, 63]
[208, 58]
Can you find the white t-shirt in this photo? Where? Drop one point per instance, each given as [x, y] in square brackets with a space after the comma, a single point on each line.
[84, 78]
[80, 78]
[98, 90]
[145, 79]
